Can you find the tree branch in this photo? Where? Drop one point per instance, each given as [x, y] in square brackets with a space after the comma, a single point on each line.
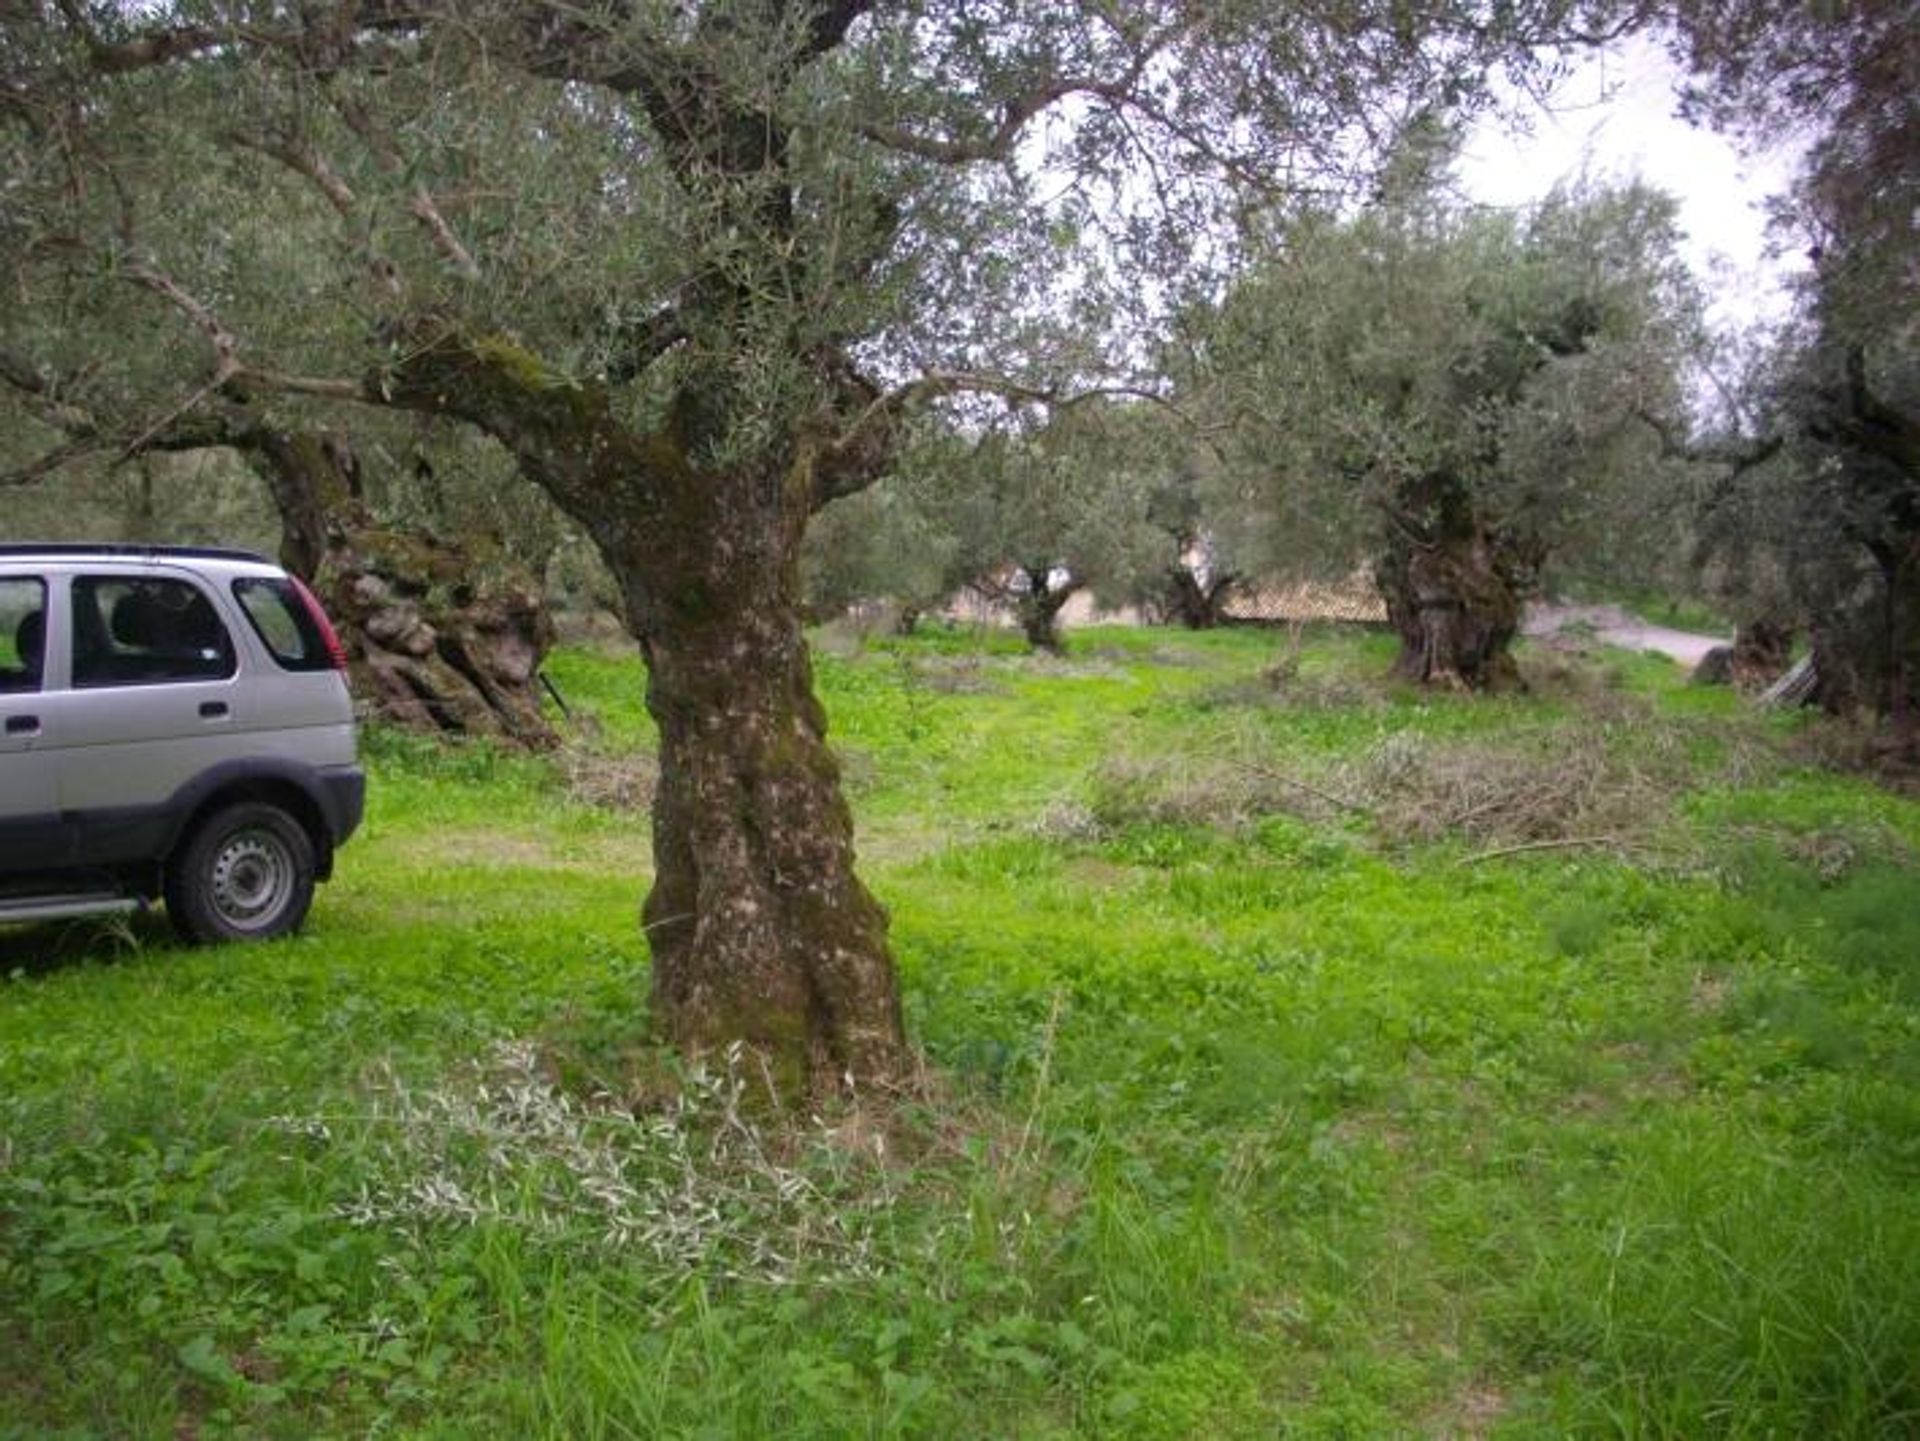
[1876, 426]
[306, 161]
[1015, 115]
[637, 346]
[46, 464]
[326, 388]
[828, 26]
[1559, 843]
[1742, 457]
[858, 456]
[144, 49]
[187, 425]
[43, 393]
[226, 345]
[1017, 112]
[420, 201]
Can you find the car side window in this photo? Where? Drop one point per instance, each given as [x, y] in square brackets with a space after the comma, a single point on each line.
[272, 606]
[146, 630]
[23, 633]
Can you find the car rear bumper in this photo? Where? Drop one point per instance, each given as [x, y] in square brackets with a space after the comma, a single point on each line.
[343, 799]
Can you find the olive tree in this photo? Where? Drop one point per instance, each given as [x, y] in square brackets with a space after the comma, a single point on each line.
[1461, 395]
[1194, 572]
[1174, 556]
[1042, 514]
[444, 628]
[692, 262]
[1028, 512]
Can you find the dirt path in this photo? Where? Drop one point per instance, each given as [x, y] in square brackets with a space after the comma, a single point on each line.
[1611, 625]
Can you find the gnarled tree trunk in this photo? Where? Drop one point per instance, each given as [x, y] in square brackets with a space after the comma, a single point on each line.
[1195, 605]
[1454, 593]
[1867, 654]
[760, 930]
[440, 637]
[1762, 651]
[1038, 608]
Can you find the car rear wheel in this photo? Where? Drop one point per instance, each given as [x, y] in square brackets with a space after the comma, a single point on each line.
[245, 874]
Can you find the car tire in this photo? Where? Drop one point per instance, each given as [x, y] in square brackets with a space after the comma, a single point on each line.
[245, 874]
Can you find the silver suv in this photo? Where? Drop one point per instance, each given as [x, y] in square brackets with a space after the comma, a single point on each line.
[173, 723]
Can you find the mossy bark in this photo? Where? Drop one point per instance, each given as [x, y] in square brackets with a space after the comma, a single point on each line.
[761, 932]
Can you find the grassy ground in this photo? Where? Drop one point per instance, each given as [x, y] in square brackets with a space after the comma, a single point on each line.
[1305, 1058]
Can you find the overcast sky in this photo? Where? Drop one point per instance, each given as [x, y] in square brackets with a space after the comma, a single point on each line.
[1615, 117]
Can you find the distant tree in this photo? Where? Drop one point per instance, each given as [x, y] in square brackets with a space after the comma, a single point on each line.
[1047, 513]
[1178, 565]
[887, 545]
[1112, 500]
[1194, 575]
[1464, 396]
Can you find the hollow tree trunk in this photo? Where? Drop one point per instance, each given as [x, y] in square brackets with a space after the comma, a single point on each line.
[1454, 595]
[440, 637]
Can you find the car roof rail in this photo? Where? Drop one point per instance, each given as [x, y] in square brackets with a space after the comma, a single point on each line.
[121, 551]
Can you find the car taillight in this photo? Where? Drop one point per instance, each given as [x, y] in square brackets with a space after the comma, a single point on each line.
[336, 652]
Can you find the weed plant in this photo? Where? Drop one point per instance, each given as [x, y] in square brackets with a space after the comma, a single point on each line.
[1312, 1058]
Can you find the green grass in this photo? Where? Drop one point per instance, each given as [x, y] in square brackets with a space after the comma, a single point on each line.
[1249, 1118]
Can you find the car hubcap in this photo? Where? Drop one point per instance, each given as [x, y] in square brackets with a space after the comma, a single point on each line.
[252, 877]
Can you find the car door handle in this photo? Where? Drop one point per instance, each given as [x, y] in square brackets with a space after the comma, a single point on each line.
[23, 725]
[212, 709]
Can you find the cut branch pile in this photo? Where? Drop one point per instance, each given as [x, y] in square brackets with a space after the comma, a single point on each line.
[1608, 784]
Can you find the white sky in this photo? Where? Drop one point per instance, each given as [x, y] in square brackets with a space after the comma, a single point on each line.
[1614, 116]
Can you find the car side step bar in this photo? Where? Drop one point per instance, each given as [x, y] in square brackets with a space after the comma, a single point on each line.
[60, 908]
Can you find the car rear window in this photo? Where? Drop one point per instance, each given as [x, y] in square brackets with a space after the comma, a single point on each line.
[283, 623]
